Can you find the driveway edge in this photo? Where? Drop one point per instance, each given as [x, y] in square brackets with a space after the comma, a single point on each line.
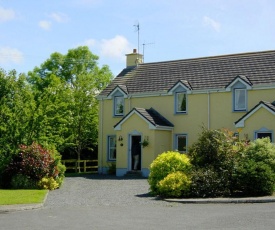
[265, 199]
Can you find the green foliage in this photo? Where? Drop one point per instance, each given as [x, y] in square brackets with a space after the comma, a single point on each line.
[213, 147]
[16, 110]
[164, 164]
[48, 183]
[225, 166]
[175, 184]
[207, 182]
[20, 181]
[65, 88]
[33, 163]
[255, 171]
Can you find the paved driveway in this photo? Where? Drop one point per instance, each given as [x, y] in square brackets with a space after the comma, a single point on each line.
[101, 202]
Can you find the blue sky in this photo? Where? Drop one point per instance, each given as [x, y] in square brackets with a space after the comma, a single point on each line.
[31, 30]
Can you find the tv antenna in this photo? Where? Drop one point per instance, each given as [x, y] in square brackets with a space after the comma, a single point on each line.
[143, 48]
[137, 29]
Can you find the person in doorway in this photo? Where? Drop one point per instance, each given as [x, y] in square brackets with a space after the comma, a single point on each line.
[135, 154]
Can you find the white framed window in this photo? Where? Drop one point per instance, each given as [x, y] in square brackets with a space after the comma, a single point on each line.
[180, 102]
[240, 100]
[112, 148]
[181, 142]
[118, 106]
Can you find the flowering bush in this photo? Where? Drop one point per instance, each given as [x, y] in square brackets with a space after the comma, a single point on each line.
[48, 183]
[34, 163]
[164, 164]
[175, 184]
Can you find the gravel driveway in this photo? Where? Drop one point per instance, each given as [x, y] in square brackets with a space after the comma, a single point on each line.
[102, 190]
[108, 202]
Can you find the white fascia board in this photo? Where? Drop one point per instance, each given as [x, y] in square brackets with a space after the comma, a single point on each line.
[151, 126]
[158, 127]
[261, 86]
[115, 90]
[240, 124]
[238, 79]
[177, 85]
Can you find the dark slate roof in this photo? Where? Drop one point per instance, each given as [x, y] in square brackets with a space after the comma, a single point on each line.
[270, 105]
[200, 73]
[151, 116]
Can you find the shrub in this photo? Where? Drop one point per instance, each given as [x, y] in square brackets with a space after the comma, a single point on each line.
[215, 156]
[164, 164]
[255, 179]
[207, 182]
[255, 171]
[35, 162]
[175, 184]
[48, 183]
[20, 181]
[214, 148]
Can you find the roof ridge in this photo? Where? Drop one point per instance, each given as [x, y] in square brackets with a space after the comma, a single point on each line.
[213, 57]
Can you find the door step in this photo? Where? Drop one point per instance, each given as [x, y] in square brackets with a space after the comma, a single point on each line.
[134, 174]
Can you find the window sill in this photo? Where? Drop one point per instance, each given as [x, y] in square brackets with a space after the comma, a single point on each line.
[239, 111]
[118, 115]
[180, 113]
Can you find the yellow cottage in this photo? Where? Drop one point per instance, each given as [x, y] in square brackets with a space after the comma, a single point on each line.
[150, 108]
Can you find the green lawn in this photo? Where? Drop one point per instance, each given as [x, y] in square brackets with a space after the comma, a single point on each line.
[22, 196]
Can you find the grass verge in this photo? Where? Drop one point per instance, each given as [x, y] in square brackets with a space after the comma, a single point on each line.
[19, 196]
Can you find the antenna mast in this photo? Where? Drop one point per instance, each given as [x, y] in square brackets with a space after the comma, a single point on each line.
[144, 44]
[137, 26]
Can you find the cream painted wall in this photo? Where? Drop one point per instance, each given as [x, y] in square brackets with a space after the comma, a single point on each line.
[134, 124]
[261, 119]
[221, 116]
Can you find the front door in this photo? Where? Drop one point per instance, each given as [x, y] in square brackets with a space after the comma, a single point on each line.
[135, 153]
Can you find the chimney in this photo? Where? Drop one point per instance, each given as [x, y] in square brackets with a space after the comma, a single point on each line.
[133, 59]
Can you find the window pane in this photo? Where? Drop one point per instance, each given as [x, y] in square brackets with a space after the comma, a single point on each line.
[181, 102]
[263, 135]
[112, 147]
[240, 99]
[181, 139]
[119, 105]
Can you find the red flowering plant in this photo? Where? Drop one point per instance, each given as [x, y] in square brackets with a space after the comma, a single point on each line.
[33, 163]
[37, 162]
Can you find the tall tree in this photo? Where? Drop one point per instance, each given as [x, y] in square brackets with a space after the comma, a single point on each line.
[16, 107]
[81, 79]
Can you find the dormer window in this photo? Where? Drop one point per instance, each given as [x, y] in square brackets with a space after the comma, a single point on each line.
[118, 94]
[240, 100]
[239, 87]
[180, 102]
[119, 106]
[180, 90]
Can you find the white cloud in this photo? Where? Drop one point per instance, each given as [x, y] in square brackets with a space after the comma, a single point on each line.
[207, 21]
[6, 14]
[59, 17]
[89, 42]
[115, 47]
[8, 54]
[46, 25]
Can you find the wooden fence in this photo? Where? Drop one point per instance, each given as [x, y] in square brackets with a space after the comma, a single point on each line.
[83, 165]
